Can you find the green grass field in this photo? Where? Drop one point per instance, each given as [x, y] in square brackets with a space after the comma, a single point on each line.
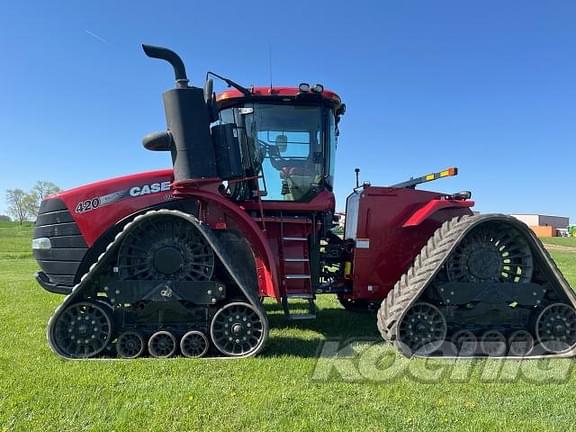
[274, 391]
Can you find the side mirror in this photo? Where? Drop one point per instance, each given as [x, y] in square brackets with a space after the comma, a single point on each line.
[209, 98]
[208, 90]
[158, 141]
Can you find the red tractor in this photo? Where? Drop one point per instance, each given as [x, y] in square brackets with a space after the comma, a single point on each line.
[179, 260]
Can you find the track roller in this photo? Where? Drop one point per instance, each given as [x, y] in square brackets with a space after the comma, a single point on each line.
[130, 344]
[520, 343]
[493, 343]
[194, 344]
[162, 344]
[465, 342]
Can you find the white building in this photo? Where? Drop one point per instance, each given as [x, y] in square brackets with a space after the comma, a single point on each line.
[536, 220]
[341, 219]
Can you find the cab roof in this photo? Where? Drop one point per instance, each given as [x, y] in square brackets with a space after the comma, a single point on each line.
[229, 97]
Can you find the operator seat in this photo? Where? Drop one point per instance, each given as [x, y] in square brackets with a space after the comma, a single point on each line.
[281, 143]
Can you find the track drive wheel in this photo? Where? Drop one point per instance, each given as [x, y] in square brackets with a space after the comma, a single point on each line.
[82, 330]
[165, 248]
[238, 330]
[491, 253]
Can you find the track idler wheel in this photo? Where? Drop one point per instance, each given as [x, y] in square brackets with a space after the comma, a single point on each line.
[82, 330]
[422, 330]
[130, 345]
[162, 344]
[238, 330]
[556, 328]
[194, 344]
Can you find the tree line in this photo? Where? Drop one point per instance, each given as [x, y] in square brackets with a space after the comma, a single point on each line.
[23, 206]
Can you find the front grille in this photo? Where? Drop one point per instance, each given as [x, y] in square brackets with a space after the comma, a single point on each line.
[61, 261]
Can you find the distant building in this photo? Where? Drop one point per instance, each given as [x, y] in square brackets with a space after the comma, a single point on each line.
[341, 219]
[544, 225]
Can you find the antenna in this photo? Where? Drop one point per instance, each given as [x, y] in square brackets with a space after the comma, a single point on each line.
[270, 63]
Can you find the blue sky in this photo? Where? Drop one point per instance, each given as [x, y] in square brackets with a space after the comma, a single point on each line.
[488, 86]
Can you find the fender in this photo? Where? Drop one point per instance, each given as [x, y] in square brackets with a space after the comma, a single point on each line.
[432, 207]
[265, 262]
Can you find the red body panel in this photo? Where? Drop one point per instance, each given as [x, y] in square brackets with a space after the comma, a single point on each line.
[115, 201]
[393, 226]
[432, 207]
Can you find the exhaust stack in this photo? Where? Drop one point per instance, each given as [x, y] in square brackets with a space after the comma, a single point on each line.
[188, 122]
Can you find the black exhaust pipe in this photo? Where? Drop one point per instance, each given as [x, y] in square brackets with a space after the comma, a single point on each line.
[172, 58]
[188, 122]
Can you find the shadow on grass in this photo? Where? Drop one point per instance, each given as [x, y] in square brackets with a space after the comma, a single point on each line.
[330, 323]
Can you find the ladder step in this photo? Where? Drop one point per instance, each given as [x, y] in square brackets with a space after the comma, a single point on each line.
[310, 307]
[304, 316]
[294, 238]
[297, 276]
[296, 260]
[301, 295]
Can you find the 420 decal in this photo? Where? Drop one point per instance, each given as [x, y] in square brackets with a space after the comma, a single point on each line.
[87, 205]
[134, 192]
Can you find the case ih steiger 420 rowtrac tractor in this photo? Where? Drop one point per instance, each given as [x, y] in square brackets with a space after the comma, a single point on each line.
[178, 261]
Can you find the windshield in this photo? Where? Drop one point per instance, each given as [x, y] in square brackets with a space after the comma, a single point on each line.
[288, 146]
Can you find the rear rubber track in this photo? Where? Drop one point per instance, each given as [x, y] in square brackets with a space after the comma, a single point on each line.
[429, 261]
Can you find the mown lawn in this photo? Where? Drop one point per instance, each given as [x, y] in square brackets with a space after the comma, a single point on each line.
[275, 391]
[562, 241]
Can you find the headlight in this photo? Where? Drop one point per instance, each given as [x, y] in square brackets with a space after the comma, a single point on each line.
[304, 87]
[41, 243]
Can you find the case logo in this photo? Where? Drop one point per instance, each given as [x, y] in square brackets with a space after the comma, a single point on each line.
[149, 189]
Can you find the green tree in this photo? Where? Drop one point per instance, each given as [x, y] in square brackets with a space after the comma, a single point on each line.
[24, 206]
[39, 192]
[31, 205]
[18, 204]
[44, 188]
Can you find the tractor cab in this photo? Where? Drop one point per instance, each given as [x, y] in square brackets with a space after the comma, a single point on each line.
[287, 138]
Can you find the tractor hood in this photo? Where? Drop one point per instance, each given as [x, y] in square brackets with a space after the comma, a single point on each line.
[97, 206]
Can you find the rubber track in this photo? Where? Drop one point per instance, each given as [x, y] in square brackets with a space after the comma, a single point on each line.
[431, 258]
[101, 261]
